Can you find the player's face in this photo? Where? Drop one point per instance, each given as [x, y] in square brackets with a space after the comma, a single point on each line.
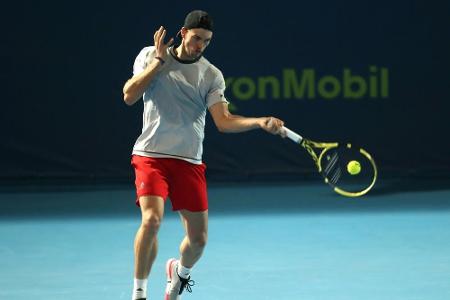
[195, 41]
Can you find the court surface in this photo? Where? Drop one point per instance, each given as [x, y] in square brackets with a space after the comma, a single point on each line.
[266, 241]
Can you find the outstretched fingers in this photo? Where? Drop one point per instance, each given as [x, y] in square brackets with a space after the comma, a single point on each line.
[160, 46]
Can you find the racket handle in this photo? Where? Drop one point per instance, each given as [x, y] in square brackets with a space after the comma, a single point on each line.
[292, 135]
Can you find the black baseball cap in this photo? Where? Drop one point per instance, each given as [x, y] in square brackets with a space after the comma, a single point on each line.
[198, 19]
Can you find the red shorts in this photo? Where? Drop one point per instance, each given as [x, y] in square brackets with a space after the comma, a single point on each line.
[183, 182]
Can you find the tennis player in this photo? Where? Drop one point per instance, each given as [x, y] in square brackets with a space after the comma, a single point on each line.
[178, 86]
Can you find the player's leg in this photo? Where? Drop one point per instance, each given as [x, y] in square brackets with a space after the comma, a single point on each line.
[191, 249]
[196, 226]
[189, 197]
[151, 190]
[146, 243]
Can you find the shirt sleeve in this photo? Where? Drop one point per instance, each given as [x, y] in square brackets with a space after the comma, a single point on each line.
[216, 93]
[142, 60]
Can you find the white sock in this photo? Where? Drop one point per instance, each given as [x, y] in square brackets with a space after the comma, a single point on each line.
[139, 289]
[183, 272]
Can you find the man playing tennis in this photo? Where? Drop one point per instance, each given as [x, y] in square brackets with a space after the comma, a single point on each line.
[178, 85]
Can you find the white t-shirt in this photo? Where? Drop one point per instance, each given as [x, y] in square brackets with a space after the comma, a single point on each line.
[175, 105]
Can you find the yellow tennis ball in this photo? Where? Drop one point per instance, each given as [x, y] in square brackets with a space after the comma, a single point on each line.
[354, 167]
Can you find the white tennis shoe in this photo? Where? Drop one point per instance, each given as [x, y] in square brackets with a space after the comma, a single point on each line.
[175, 284]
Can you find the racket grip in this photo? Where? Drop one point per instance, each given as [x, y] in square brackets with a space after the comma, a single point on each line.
[292, 135]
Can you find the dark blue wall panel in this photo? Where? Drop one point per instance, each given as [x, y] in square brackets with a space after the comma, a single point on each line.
[372, 73]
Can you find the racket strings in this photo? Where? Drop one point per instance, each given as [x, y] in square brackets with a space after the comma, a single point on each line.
[335, 170]
[331, 163]
[336, 176]
[332, 170]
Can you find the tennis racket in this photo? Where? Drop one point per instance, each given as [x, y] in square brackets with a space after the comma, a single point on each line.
[349, 170]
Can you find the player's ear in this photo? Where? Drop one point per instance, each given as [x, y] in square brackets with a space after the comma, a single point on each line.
[182, 32]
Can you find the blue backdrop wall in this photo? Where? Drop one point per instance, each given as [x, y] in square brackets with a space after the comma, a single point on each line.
[374, 73]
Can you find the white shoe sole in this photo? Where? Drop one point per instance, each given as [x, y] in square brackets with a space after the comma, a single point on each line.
[169, 264]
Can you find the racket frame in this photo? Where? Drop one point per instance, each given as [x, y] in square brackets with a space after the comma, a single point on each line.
[309, 146]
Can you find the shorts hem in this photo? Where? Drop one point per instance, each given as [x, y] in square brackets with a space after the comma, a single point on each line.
[148, 194]
[189, 210]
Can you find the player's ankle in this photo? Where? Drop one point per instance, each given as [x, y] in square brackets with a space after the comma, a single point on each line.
[183, 272]
[140, 289]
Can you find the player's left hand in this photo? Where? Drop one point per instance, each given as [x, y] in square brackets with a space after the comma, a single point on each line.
[273, 126]
[160, 45]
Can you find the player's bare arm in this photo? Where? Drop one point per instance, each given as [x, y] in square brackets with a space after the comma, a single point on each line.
[135, 87]
[229, 123]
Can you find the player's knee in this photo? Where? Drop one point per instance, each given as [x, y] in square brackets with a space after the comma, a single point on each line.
[199, 241]
[151, 222]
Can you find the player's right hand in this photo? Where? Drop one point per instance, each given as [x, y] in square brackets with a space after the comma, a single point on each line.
[161, 47]
[273, 125]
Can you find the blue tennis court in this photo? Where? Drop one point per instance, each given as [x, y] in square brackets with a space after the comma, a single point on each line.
[266, 241]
